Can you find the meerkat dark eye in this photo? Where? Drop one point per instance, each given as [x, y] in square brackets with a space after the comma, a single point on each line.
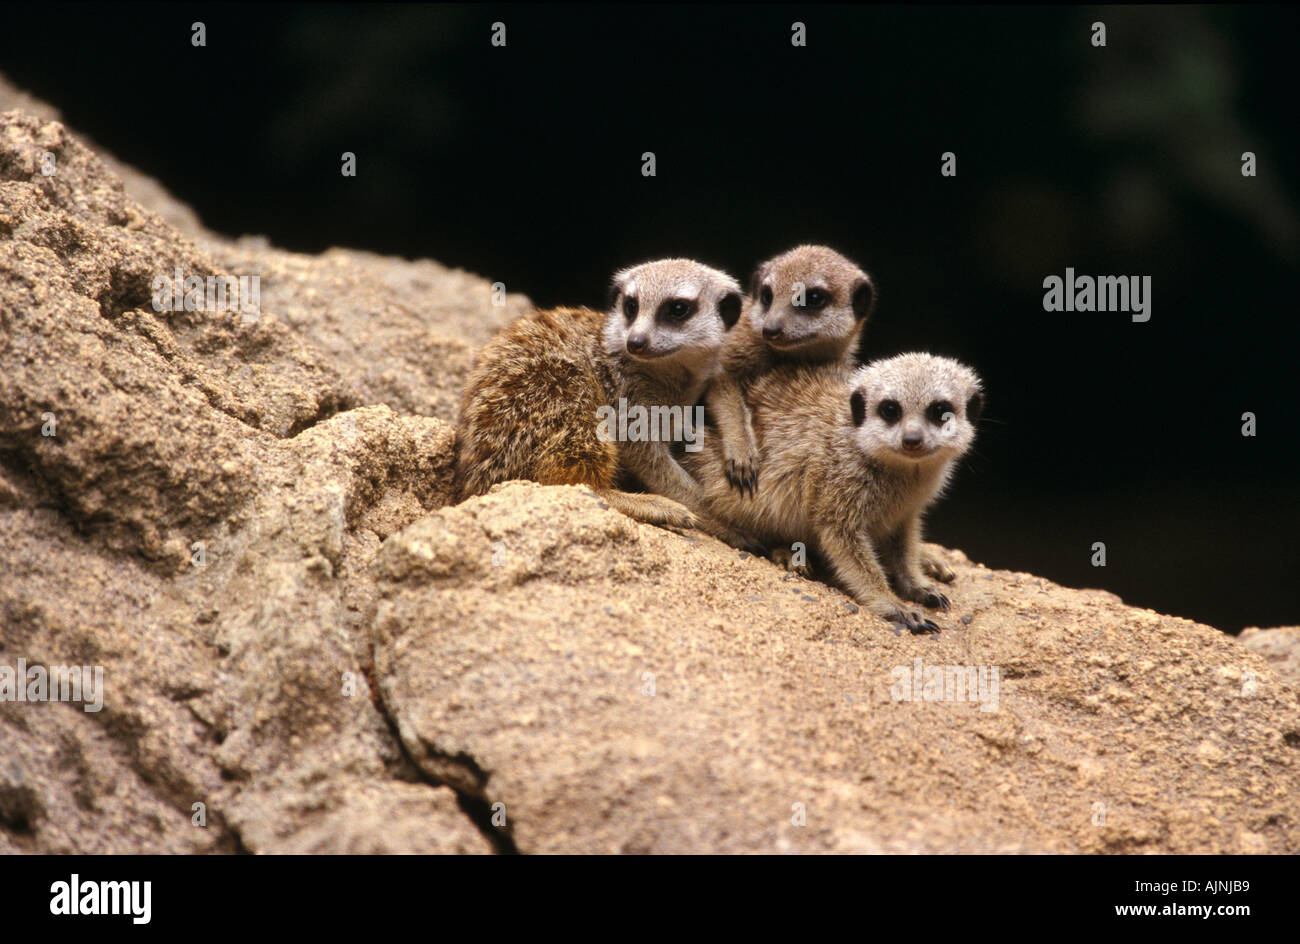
[889, 411]
[765, 296]
[630, 308]
[816, 299]
[676, 310]
[939, 411]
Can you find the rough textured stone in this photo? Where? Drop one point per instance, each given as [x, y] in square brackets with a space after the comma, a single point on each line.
[246, 525]
[517, 634]
[200, 521]
[1280, 646]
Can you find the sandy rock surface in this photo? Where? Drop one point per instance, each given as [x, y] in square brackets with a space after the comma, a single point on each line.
[1280, 646]
[245, 522]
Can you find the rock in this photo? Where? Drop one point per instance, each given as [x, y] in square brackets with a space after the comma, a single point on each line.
[1280, 646]
[584, 671]
[199, 520]
[244, 522]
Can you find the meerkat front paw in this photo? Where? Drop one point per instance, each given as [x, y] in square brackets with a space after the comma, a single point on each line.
[893, 610]
[740, 460]
[742, 470]
[784, 557]
[925, 595]
[929, 596]
[910, 620]
[912, 586]
[931, 566]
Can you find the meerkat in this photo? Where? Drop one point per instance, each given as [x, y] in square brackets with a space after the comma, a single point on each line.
[806, 306]
[531, 406]
[851, 460]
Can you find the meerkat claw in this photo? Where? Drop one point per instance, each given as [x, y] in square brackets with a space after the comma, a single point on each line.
[913, 622]
[733, 475]
[936, 601]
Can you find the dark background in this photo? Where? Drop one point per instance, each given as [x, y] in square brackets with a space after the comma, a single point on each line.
[523, 164]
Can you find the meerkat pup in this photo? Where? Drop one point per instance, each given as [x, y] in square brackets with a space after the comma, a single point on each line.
[851, 459]
[533, 404]
[806, 306]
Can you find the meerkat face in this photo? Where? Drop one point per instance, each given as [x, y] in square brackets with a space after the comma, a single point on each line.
[810, 297]
[671, 310]
[915, 407]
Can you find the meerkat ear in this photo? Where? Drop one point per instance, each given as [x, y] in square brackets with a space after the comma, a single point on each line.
[756, 281]
[858, 404]
[618, 286]
[729, 309]
[864, 298]
[974, 408]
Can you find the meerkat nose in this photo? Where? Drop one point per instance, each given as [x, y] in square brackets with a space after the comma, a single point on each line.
[637, 342]
[771, 332]
[912, 440]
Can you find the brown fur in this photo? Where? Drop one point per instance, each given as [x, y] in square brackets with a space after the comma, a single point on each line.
[531, 406]
[828, 336]
[840, 484]
[527, 410]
